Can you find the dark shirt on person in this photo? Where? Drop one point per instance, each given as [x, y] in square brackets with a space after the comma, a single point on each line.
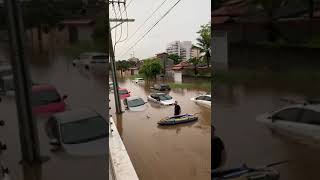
[217, 147]
[177, 110]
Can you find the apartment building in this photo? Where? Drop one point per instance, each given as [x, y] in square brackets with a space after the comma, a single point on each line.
[180, 48]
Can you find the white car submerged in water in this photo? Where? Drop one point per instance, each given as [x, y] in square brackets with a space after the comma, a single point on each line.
[135, 103]
[300, 122]
[161, 98]
[203, 100]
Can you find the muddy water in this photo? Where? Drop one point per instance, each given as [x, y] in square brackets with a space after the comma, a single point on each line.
[247, 141]
[176, 152]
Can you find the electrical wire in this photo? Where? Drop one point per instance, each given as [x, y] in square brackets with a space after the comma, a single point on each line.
[125, 9]
[151, 28]
[147, 19]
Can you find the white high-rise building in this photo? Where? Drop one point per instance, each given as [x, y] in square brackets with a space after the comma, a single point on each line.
[182, 49]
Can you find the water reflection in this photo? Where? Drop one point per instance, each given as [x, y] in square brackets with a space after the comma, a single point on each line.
[183, 147]
[247, 141]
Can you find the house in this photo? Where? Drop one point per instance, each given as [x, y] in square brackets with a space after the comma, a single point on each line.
[79, 29]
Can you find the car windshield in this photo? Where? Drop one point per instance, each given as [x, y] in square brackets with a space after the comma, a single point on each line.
[44, 97]
[123, 91]
[165, 97]
[84, 130]
[135, 102]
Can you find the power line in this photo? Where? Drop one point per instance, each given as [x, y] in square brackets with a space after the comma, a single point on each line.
[147, 19]
[151, 28]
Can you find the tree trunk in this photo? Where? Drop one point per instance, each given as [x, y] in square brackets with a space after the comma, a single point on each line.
[195, 70]
[208, 59]
[40, 39]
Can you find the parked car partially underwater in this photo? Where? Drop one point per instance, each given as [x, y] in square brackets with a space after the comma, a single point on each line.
[124, 93]
[299, 121]
[80, 132]
[138, 80]
[46, 99]
[203, 100]
[161, 87]
[134, 103]
[91, 60]
[161, 98]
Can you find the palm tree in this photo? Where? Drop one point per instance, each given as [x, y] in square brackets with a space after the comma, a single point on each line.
[204, 42]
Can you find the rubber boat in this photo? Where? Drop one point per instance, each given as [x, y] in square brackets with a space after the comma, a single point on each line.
[178, 119]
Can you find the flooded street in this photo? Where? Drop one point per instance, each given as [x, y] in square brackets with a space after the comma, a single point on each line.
[165, 152]
[247, 141]
[84, 89]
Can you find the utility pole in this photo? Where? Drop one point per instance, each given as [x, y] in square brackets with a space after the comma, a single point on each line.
[28, 130]
[112, 56]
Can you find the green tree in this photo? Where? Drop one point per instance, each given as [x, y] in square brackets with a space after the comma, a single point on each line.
[122, 66]
[204, 42]
[195, 62]
[176, 59]
[151, 68]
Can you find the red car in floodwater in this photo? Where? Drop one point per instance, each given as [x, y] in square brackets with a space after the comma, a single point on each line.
[46, 99]
[124, 93]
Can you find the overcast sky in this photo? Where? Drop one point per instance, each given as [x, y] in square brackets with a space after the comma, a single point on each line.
[182, 23]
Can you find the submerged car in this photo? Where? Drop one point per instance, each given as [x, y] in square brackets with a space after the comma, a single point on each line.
[91, 60]
[301, 122]
[134, 103]
[80, 132]
[204, 100]
[124, 93]
[161, 98]
[161, 87]
[138, 80]
[46, 99]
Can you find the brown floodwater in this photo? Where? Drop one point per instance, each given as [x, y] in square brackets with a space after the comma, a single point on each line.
[247, 141]
[173, 152]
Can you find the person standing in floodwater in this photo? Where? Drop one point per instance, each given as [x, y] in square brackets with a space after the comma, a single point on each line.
[177, 108]
[218, 157]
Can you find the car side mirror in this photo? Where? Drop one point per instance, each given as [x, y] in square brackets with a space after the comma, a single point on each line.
[64, 97]
[54, 142]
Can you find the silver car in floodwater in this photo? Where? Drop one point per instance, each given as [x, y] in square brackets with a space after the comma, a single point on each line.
[135, 103]
[300, 122]
[81, 132]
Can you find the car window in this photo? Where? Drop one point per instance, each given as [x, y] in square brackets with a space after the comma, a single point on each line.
[135, 102]
[310, 117]
[291, 114]
[122, 92]
[207, 98]
[200, 98]
[44, 97]
[165, 97]
[84, 130]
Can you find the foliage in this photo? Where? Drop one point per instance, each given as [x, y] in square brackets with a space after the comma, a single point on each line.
[204, 41]
[151, 68]
[176, 58]
[195, 62]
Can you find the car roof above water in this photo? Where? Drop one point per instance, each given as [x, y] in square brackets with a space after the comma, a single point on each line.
[75, 115]
[133, 98]
[314, 107]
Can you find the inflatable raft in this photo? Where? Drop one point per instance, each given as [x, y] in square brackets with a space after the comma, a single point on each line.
[178, 119]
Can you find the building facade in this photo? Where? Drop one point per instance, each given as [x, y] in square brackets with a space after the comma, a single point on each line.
[182, 49]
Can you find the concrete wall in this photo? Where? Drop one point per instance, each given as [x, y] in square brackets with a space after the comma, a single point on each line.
[220, 49]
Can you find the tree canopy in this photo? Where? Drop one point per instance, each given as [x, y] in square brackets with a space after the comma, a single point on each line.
[151, 68]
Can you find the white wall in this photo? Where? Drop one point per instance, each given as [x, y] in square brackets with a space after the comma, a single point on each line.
[220, 49]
